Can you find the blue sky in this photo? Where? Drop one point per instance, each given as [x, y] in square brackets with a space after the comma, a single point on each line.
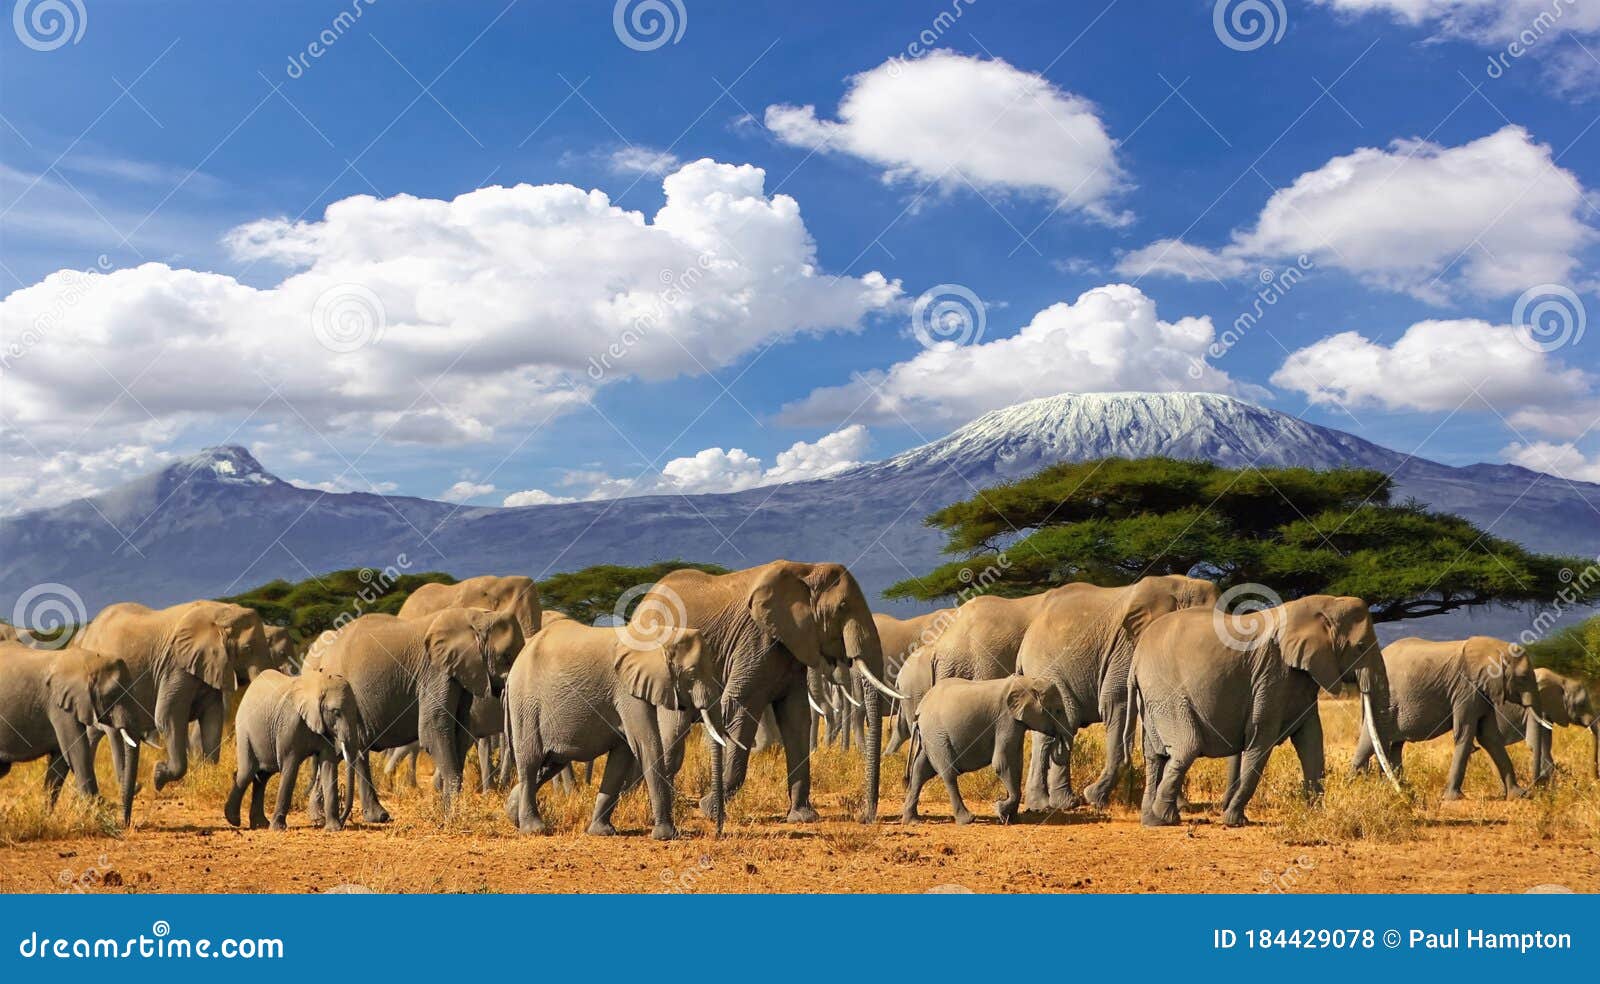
[165, 128]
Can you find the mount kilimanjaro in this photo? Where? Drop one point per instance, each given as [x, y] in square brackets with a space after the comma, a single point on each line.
[219, 523]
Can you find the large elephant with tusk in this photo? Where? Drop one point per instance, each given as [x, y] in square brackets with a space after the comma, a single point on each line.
[1211, 684]
[56, 704]
[763, 628]
[1563, 701]
[577, 692]
[1454, 687]
[185, 660]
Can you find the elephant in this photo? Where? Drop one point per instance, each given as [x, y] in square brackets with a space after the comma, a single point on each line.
[1211, 684]
[413, 679]
[901, 637]
[515, 595]
[1455, 686]
[965, 725]
[914, 680]
[281, 654]
[1562, 701]
[1077, 637]
[54, 703]
[185, 659]
[283, 721]
[764, 627]
[577, 692]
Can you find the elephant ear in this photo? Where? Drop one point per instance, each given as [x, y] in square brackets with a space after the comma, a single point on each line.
[503, 639]
[781, 604]
[201, 648]
[1025, 702]
[1489, 667]
[1306, 640]
[308, 701]
[70, 685]
[456, 645]
[647, 673]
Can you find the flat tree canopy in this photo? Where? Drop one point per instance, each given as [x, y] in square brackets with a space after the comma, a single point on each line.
[1298, 531]
[595, 591]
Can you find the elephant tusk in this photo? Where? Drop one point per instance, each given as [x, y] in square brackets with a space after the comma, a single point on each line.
[1546, 725]
[711, 729]
[849, 699]
[344, 750]
[815, 707]
[1377, 745]
[153, 745]
[127, 737]
[882, 688]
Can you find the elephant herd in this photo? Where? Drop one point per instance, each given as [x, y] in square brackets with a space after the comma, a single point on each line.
[766, 655]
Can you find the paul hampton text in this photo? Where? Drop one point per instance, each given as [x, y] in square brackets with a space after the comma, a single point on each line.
[1391, 939]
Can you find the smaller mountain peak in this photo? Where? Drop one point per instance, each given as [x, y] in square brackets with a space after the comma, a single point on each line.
[226, 463]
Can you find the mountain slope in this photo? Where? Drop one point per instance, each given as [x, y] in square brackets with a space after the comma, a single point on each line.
[219, 522]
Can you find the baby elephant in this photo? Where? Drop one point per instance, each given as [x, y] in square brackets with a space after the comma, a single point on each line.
[964, 725]
[577, 692]
[284, 720]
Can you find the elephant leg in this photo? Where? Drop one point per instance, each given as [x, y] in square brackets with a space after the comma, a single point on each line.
[241, 782]
[1008, 766]
[1539, 741]
[567, 780]
[1058, 769]
[1116, 704]
[952, 786]
[792, 712]
[1253, 763]
[1462, 731]
[1234, 768]
[642, 728]
[485, 765]
[1174, 770]
[1037, 797]
[328, 775]
[78, 751]
[438, 713]
[372, 811]
[1155, 766]
[523, 803]
[619, 765]
[286, 781]
[258, 800]
[1307, 741]
[213, 711]
[1489, 738]
[117, 750]
[55, 775]
[918, 772]
[174, 727]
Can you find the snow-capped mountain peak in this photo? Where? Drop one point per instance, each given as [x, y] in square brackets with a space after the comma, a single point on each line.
[227, 464]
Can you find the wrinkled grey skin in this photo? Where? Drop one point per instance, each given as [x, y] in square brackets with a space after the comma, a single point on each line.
[1079, 638]
[413, 680]
[55, 703]
[967, 725]
[1213, 685]
[1454, 687]
[1563, 701]
[764, 626]
[914, 680]
[185, 660]
[282, 722]
[577, 692]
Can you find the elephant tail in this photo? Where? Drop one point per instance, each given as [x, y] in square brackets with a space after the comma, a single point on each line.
[1135, 712]
[912, 749]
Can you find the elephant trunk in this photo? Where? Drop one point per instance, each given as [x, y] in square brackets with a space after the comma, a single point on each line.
[719, 792]
[130, 781]
[873, 752]
[350, 791]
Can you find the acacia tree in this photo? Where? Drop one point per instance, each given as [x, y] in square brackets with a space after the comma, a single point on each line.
[1297, 531]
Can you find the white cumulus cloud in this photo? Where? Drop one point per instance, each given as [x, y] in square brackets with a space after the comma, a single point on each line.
[1563, 459]
[954, 119]
[1492, 217]
[1109, 339]
[734, 469]
[444, 320]
[1440, 366]
[533, 497]
[465, 491]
